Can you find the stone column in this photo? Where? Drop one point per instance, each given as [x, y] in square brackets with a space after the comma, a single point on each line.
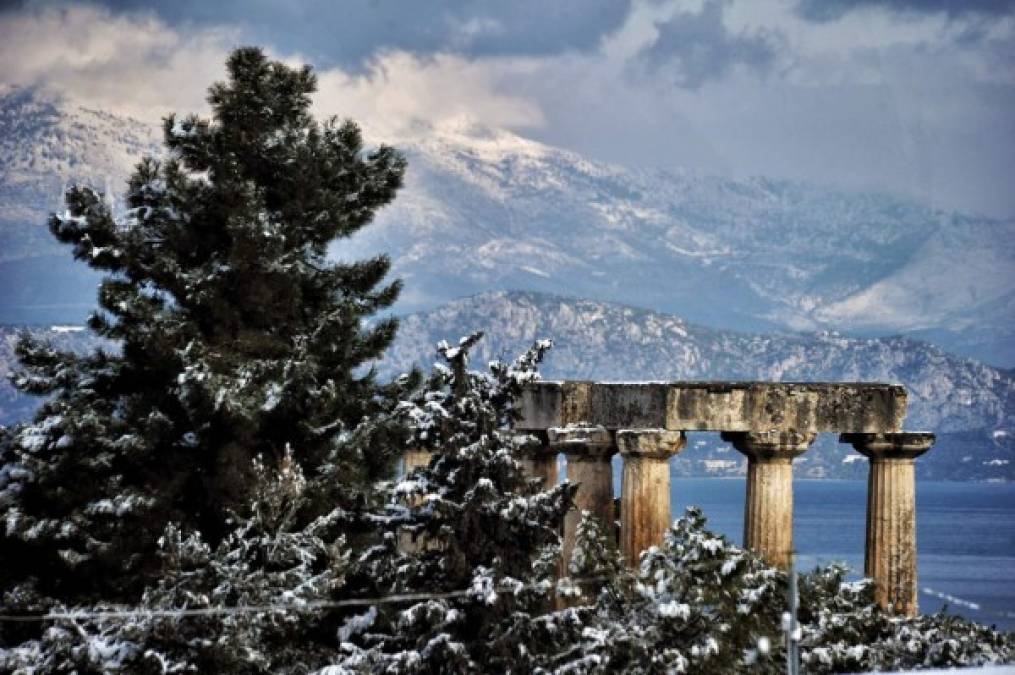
[538, 459]
[588, 450]
[645, 492]
[413, 459]
[768, 508]
[890, 555]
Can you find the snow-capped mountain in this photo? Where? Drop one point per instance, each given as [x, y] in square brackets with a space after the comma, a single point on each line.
[487, 209]
[970, 405]
[490, 210]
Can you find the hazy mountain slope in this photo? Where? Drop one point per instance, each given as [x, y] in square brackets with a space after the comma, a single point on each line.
[487, 210]
[46, 145]
[971, 405]
[490, 210]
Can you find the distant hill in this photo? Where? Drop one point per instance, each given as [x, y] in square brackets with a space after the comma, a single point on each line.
[969, 404]
[486, 210]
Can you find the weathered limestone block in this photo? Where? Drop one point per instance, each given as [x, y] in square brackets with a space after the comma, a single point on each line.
[806, 407]
[645, 492]
[588, 450]
[890, 556]
[538, 459]
[768, 508]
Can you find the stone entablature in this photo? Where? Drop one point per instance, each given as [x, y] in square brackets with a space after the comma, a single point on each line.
[803, 407]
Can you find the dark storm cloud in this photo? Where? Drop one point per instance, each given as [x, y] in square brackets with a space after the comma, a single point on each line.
[348, 33]
[830, 10]
[694, 48]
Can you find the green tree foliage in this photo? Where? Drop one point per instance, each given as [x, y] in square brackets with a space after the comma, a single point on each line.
[236, 337]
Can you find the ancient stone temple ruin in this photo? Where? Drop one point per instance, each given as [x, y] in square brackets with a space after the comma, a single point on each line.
[770, 423]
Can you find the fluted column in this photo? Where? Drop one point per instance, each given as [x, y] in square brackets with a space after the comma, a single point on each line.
[768, 508]
[537, 458]
[890, 555]
[645, 491]
[588, 450]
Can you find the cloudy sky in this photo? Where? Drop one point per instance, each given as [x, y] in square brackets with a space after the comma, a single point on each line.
[915, 97]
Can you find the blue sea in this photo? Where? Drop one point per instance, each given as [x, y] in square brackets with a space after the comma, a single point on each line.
[965, 534]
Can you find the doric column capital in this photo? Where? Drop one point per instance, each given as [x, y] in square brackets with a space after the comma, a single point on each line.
[903, 445]
[582, 439]
[650, 443]
[770, 445]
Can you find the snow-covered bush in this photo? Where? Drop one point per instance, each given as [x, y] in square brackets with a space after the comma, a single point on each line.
[275, 577]
[844, 631]
[694, 604]
[491, 538]
[699, 604]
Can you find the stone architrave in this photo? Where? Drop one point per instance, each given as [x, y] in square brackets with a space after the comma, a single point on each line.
[645, 491]
[768, 507]
[890, 555]
[588, 450]
[801, 407]
[538, 460]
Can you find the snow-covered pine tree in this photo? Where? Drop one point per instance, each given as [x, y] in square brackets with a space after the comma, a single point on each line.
[237, 338]
[489, 537]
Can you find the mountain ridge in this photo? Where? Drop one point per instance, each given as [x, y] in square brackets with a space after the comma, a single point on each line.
[970, 405]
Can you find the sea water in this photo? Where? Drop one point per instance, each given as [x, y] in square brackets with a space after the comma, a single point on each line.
[965, 534]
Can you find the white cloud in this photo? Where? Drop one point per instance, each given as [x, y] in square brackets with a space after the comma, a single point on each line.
[399, 91]
[919, 105]
[136, 64]
[130, 63]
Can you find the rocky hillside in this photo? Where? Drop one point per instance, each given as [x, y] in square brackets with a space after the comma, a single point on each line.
[970, 405]
[488, 210]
